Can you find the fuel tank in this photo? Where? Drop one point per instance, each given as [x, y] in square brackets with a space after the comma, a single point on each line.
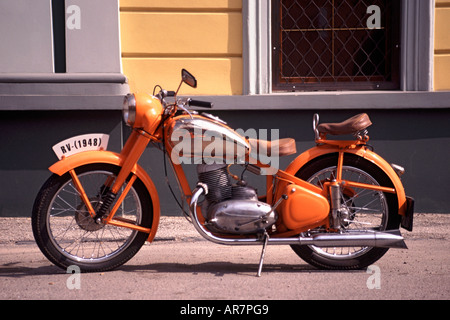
[204, 139]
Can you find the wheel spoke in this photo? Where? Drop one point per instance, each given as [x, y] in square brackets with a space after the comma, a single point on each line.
[366, 209]
[76, 234]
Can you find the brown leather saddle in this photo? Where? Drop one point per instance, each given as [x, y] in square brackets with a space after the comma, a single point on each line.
[286, 146]
[352, 125]
[282, 147]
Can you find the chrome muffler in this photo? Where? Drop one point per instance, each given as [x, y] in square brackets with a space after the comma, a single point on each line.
[380, 239]
[369, 238]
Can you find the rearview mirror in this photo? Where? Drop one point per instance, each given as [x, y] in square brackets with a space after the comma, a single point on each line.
[188, 78]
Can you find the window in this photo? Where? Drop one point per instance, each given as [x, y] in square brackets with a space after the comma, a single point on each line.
[335, 45]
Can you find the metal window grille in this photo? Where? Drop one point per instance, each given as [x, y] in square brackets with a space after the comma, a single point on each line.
[335, 44]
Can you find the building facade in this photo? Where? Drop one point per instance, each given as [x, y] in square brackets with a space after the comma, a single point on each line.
[65, 66]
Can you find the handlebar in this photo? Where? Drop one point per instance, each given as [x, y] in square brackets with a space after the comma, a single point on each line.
[179, 103]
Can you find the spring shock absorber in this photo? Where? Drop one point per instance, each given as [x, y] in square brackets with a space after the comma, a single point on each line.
[335, 196]
[108, 200]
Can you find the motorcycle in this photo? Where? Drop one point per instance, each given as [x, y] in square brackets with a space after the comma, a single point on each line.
[338, 205]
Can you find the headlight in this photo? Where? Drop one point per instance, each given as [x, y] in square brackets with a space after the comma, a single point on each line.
[129, 109]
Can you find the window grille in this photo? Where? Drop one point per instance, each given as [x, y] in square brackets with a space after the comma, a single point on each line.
[335, 44]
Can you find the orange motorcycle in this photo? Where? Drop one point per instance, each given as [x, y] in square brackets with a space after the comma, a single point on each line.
[338, 205]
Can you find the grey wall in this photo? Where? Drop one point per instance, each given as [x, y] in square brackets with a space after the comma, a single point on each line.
[60, 76]
[26, 36]
[92, 44]
[415, 139]
[57, 82]
[25, 151]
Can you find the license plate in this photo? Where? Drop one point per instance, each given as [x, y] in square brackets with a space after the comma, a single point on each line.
[85, 142]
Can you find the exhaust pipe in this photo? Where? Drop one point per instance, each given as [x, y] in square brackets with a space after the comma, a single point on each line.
[369, 238]
[380, 239]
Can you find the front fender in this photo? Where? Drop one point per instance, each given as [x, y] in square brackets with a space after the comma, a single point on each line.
[318, 151]
[65, 165]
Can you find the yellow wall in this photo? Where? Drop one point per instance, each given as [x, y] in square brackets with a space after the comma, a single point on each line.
[160, 37]
[442, 45]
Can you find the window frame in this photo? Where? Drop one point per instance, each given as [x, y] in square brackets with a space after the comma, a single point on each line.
[416, 49]
[332, 83]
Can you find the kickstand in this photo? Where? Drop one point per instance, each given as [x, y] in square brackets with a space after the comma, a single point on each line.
[261, 260]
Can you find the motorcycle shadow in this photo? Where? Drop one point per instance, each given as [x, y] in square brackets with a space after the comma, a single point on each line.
[224, 268]
[218, 269]
[11, 270]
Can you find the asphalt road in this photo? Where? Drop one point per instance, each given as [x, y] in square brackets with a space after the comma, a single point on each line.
[181, 265]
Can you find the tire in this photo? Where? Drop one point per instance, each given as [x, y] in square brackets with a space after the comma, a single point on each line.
[366, 209]
[67, 235]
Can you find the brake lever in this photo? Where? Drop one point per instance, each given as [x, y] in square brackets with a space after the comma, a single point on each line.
[181, 105]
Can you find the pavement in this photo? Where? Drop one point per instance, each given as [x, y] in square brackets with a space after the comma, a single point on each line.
[181, 265]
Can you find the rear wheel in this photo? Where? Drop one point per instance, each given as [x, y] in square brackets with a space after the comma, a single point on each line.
[67, 234]
[362, 209]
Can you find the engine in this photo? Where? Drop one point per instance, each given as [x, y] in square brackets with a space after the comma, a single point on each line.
[232, 208]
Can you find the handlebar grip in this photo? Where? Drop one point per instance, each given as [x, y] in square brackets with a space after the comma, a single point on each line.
[203, 104]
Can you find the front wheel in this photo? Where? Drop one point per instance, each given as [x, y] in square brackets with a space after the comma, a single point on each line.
[362, 209]
[67, 234]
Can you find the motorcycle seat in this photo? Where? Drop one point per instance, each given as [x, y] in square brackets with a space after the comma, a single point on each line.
[350, 126]
[280, 148]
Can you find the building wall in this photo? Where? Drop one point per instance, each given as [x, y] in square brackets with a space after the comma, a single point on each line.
[26, 149]
[161, 37]
[27, 47]
[442, 46]
[60, 76]
[226, 45]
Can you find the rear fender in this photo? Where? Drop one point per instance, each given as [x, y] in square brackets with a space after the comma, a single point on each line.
[66, 164]
[371, 156]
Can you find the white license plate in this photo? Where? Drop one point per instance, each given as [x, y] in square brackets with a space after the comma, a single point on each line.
[85, 142]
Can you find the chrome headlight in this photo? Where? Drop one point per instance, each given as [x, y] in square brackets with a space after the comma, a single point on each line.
[129, 109]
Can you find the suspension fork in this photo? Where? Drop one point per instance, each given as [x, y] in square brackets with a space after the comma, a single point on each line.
[131, 153]
[82, 193]
[335, 192]
[340, 165]
[334, 188]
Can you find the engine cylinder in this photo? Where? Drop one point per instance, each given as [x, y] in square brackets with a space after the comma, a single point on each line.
[218, 181]
[232, 209]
